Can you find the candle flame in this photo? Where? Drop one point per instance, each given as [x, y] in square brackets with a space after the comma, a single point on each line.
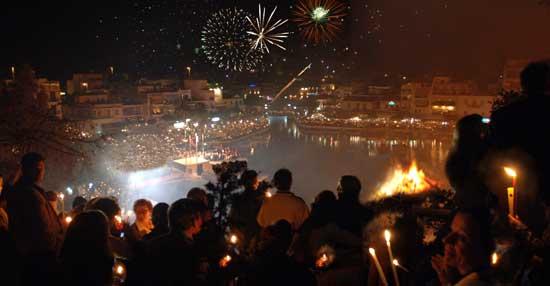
[395, 262]
[510, 172]
[61, 196]
[387, 236]
[494, 258]
[118, 219]
[68, 219]
[120, 270]
[268, 194]
[372, 251]
[322, 261]
[233, 239]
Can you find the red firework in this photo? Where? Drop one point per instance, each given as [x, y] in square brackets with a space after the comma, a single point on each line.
[319, 20]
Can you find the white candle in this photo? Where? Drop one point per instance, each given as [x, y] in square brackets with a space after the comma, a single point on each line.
[378, 267]
[387, 236]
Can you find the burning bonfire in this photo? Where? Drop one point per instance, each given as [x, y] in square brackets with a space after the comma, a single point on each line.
[408, 181]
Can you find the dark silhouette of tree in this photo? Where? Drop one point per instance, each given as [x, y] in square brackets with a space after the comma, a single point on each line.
[224, 190]
[27, 124]
[505, 98]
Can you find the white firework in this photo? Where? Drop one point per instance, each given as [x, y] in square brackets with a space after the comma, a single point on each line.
[263, 31]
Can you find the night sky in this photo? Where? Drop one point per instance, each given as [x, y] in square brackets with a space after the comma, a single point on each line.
[463, 38]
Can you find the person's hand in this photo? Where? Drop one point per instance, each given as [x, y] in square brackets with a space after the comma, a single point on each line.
[445, 273]
[516, 222]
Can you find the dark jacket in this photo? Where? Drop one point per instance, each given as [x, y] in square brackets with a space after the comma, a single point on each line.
[33, 222]
[244, 211]
[172, 260]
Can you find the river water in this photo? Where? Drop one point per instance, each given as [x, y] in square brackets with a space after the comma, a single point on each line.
[318, 159]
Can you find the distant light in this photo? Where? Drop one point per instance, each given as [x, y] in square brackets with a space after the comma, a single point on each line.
[494, 258]
[90, 185]
[188, 119]
[69, 190]
[486, 120]
[289, 105]
[215, 119]
[179, 125]
[392, 103]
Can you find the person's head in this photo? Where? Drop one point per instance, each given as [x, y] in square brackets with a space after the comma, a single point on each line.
[185, 216]
[469, 245]
[469, 130]
[33, 168]
[349, 188]
[249, 180]
[276, 238]
[282, 180]
[143, 209]
[325, 197]
[198, 195]
[87, 234]
[51, 196]
[108, 206]
[535, 79]
[79, 202]
[160, 215]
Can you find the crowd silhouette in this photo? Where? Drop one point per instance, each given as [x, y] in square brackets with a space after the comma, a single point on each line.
[277, 239]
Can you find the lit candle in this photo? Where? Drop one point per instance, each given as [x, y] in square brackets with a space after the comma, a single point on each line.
[378, 267]
[494, 258]
[268, 194]
[68, 219]
[396, 263]
[322, 261]
[119, 269]
[225, 261]
[511, 198]
[233, 239]
[387, 236]
[511, 191]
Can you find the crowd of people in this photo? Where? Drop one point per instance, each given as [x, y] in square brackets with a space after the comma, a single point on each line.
[276, 238]
[142, 148]
[318, 120]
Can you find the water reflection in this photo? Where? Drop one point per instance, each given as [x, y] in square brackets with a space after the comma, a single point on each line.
[319, 159]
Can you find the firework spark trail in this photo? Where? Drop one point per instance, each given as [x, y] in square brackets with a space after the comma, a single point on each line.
[291, 83]
[264, 31]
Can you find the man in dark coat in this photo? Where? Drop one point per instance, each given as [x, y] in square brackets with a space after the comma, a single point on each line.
[172, 258]
[34, 223]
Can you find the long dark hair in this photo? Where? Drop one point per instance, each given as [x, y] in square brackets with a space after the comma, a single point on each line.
[86, 255]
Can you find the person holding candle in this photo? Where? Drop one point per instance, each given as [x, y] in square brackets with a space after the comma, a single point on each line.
[143, 225]
[284, 204]
[468, 250]
[86, 256]
[245, 208]
[111, 210]
[173, 259]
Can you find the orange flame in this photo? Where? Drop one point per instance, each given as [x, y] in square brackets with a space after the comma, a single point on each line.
[402, 181]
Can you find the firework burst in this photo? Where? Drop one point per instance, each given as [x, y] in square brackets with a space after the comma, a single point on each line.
[319, 20]
[263, 31]
[226, 43]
